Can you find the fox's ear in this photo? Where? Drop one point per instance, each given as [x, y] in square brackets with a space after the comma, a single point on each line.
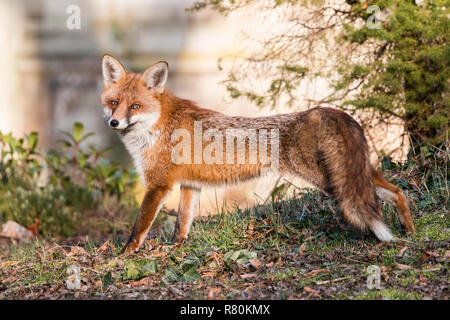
[112, 70]
[155, 77]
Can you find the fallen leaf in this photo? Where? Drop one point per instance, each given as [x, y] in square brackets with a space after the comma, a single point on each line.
[421, 281]
[77, 251]
[149, 267]
[104, 247]
[267, 232]
[9, 279]
[239, 256]
[279, 262]
[255, 263]
[131, 269]
[302, 248]
[312, 291]
[209, 274]
[385, 269]
[379, 245]
[169, 275]
[447, 254]
[40, 255]
[146, 282]
[247, 275]
[332, 280]
[97, 284]
[250, 230]
[190, 273]
[213, 292]
[159, 252]
[433, 254]
[7, 263]
[402, 250]
[403, 266]
[316, 272]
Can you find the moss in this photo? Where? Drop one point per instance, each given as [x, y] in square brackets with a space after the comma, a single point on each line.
[389, 256]
[409, 278]
[388, 294]
[433, 226]
[284, 274]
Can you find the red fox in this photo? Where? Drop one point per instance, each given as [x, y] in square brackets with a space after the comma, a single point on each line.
[164, 135]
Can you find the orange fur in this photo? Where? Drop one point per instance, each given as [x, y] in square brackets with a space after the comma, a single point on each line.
[399, 200]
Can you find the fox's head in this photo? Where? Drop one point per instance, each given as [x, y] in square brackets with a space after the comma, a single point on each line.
[132, 100]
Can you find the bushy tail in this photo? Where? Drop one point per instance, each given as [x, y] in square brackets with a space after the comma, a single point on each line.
[345, 158]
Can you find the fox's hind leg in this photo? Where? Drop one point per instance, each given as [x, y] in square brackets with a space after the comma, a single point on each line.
[394, 195]
[343, 158]
[350, 182]
[189, 200]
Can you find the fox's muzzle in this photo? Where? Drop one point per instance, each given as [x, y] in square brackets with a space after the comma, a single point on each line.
[119, 124]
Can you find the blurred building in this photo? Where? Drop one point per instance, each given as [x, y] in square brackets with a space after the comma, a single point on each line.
[50, 74]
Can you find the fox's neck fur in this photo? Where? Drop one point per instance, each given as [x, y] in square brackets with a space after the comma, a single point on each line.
[140, 139]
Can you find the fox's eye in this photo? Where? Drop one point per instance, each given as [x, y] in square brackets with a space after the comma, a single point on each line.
[135, 106]
[114, 103]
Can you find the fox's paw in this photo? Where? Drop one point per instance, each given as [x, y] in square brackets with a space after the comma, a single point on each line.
[130, 248]
[178, 241]
[410, 227]
[127, 251]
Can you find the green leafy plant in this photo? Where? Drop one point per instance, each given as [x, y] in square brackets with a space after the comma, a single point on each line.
[137, 269]
[58, 187]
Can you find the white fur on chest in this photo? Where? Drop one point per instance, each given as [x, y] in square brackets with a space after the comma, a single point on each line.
[140, 139]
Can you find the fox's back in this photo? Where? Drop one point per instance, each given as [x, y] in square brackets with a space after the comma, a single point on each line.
[292, 136]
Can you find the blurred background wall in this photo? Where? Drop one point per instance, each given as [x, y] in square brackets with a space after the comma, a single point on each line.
[50, 75]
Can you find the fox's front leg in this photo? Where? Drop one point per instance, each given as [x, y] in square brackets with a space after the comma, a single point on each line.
[189, 200]
[152, 203]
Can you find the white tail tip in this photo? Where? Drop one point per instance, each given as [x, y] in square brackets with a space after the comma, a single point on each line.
[381, 231]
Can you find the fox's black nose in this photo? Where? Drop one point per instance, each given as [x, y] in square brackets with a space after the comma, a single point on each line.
[114, 123]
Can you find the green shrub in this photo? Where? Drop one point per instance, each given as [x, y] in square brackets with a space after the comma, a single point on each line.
[47, 204]
[399, 69]
[57, 187]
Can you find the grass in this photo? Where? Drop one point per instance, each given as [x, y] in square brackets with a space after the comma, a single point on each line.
[299, 248]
